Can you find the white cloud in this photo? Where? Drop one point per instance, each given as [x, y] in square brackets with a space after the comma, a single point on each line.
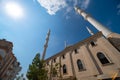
[82, 3]
[118, 7]
[85, 4]
[53, 6]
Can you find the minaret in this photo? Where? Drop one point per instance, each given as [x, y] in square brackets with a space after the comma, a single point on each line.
[90, 31]
[95, 23]
[46, 45]
[113, 38]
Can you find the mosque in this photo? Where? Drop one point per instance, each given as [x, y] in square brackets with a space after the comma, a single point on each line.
[95, 58]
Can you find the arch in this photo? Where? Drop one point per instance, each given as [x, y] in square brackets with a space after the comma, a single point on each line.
[79, 64]
[64, 69]
[76, 50]
[63, 56]
[102, 58]
[93, 43]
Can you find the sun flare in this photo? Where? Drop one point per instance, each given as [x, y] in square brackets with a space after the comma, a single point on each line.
[14, 10]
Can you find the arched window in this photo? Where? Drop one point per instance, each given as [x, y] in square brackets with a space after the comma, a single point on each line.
[79, 64]
[54, 60]
[48, 63]
[93, 43]
[64, 69]
[76, 50]
[102, 58]
[63, 56]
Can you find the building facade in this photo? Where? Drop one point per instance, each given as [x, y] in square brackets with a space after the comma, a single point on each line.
[95, 58]
[9, 66]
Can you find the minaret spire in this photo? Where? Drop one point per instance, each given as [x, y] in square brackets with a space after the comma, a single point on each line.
[95, 23]
[65, 43]
[46, 45]
[90, 31]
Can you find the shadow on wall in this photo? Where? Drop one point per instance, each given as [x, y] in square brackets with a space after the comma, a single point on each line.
[115, 42]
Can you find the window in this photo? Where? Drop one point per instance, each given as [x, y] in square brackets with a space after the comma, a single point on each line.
[63, 56]
[54, 60]
[76, 51]
[80, 65]
[102, 58]
[48, 63]
[93, 43]
[64, 69]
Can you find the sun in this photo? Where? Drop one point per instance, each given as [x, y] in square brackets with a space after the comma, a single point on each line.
[14, 10]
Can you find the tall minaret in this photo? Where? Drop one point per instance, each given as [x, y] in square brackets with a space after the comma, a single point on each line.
[95, 23]
[90, 31]
[46, 45]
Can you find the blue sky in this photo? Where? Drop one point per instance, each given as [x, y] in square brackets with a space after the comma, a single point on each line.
[29, 32]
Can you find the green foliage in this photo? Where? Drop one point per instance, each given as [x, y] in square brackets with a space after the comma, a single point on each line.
[55, 70]
[37, 70]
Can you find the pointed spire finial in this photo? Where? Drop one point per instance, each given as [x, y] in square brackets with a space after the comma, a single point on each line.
[90, 31]
[46, 45]
[75, 8]
[65, 44]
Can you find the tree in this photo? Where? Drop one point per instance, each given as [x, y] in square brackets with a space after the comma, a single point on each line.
[55, 71]
[37, 69]
[20, 77]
